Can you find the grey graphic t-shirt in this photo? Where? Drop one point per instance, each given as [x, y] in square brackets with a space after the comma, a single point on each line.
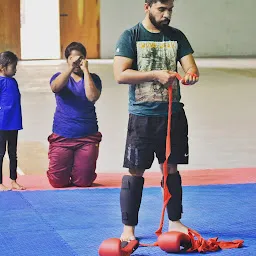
[153, 51]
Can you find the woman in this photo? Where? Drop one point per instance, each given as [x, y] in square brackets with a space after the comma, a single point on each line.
[74, 143]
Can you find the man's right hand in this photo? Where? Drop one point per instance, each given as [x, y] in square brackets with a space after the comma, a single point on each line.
[164, 77]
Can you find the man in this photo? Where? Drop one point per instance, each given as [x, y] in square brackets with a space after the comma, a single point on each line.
[74, 143]
[146, 58]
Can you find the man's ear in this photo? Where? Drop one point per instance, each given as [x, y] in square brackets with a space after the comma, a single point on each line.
[146, 7]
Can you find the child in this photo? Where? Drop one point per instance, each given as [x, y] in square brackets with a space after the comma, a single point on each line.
[10, 116]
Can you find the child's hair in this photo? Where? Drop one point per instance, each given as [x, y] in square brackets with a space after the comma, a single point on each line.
[75, 46]
[7, 58]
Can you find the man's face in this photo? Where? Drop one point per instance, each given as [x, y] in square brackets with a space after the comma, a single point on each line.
[160, 14]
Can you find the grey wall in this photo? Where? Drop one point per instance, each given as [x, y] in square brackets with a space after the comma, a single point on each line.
[214, 27]
[115, 17]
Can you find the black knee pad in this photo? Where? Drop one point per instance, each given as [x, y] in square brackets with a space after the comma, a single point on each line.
[130, 199]
[174, 206]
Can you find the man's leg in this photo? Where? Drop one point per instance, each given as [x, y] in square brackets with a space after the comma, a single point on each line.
[174, 206]
[130, 200]
[179, 155]
[139, 155]
[61, 156]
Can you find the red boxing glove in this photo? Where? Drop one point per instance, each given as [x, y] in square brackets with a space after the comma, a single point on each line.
[173, 240]
[114, 247]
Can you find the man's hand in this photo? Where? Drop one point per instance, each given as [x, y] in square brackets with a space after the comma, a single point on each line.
[190, 79]
[191, 71]
[164, 77]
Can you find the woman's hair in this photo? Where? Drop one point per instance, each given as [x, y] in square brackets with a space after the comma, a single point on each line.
[7, 58]
[75, 46]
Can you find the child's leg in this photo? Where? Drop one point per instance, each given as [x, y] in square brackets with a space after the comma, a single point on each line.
[12, 139]
[85, 158]
[2, 153]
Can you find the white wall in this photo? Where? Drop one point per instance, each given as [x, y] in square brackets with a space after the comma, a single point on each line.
[214, 27]
[40, 32]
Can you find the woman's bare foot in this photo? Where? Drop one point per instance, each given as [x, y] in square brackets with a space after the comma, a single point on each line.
[177, 226]
[17, 186]
[128, 234]
[4, 188]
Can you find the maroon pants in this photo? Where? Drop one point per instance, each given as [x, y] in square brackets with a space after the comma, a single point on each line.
[72, 161]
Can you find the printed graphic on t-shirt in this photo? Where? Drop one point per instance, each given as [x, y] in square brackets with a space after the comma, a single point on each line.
[155, 56]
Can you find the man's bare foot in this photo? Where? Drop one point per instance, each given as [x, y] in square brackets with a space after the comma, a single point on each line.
[177, 226]
[128, 234]
[17, 186]
[4, 188]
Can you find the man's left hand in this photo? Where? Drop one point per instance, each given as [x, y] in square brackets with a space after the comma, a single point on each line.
[190, 79]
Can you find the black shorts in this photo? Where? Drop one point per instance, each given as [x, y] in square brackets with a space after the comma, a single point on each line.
[146, 137]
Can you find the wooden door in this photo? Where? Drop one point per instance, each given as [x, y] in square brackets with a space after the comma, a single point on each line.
[79, 21]
[10, 26]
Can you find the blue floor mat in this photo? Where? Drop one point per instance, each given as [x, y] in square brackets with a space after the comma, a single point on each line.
[75, 222]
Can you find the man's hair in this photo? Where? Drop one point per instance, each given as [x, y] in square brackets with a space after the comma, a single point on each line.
[150, 2]
[75, 46]
[7, 58]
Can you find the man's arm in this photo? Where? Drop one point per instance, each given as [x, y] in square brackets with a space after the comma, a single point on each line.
[91, 91]
[189, 66]
[124, 74]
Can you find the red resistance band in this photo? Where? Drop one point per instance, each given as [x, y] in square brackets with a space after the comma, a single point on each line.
[197, 242]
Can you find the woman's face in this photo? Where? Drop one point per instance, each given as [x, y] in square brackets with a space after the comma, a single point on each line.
[72, 58]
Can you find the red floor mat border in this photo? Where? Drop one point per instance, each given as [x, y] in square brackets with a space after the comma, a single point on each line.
[189, 178]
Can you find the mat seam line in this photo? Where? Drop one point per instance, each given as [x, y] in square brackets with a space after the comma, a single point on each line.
[48, 224]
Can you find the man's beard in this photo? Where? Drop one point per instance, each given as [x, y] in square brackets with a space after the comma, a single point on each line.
[159, 25]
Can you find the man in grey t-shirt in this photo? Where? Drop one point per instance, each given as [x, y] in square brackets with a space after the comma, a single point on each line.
[146, 58]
